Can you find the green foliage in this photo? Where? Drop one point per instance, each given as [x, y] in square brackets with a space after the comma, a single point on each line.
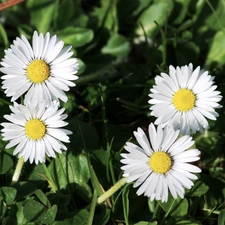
[121, 45]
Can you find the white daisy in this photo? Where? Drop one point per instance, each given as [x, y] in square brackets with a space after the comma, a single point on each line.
[184, 99]
[162, 164]
[36, 131]
[43, 70]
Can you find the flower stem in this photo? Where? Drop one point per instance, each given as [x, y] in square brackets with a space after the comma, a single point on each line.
[92, 209]
[111, 191]
[18, 169]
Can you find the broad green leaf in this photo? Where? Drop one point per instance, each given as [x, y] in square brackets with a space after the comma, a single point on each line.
[70, 169]
[7, 194]
[176, 207]
[189, 222]
[221, 219]
[15, 214]
[71, 173]
[216, 55]
[37, 175]
[211, 14]
[42, 13]
[76, 36]
[6, 162]
[58, 198]
[41, 196]
[33, 211]
[49, 216]
[80, 218]
[104, 16]
[146, 223]
[117, 45]
[198, 189]
[159, 12]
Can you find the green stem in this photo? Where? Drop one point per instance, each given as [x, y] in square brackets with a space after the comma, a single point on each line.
[164, 42]
[92, 208]
[18, 169]
[112, 190]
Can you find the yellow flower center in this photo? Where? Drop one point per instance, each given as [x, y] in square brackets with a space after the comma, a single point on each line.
[38, 71]
[184, 100]
[160, 162]
[35, 129]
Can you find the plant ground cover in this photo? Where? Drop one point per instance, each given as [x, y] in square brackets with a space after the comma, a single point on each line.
[121, 46]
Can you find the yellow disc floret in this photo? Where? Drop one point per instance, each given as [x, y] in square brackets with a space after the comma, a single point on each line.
[38, 71]
[184, 100]
[160, 162]
[35, 129]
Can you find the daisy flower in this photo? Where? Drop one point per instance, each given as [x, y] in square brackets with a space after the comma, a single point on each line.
[43, 70]
[161, 165]
[36, 131]
[184, 99]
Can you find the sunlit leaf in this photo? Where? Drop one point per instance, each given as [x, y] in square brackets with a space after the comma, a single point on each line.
[76, 36]
[117, 45]
[175, 207]
[158, 12]
[42, 13]
[216, 55]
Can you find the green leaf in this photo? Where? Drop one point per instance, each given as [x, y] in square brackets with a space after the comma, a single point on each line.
[104, 16]
[76, 36]
[216, 55]
[180, 10]
[50, 215]
[176, 207]
[8, 194]
[146, 223]
[41, 196]
[36, 175]
[33, 210]
[15, 214]
[71, 172]
[80, 218]
[159, 12]
[198, 189]
[189, 222]
[221, 219]
[6, 162]
[42, 13]
[3, 36]
[117, 45]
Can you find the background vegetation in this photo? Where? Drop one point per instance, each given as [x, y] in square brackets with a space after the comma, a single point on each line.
[121, 46]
